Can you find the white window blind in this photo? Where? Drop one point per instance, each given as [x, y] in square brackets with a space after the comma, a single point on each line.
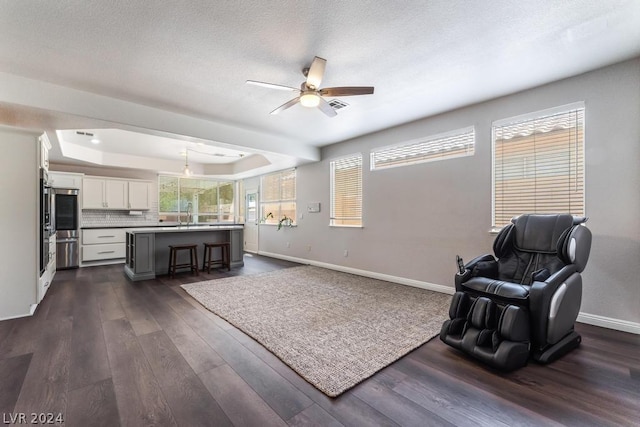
[278, 196]
[346, 191]
[539, 164]
[457, 143]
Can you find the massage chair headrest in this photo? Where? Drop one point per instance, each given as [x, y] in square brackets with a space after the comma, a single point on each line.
[560, 234]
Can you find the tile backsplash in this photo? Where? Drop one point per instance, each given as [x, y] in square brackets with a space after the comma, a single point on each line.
[115, 218]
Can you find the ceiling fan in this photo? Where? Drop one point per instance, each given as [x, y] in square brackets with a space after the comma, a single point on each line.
[310, 94]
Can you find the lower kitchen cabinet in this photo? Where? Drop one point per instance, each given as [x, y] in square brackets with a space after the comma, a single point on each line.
[103, 246]
[140, 255]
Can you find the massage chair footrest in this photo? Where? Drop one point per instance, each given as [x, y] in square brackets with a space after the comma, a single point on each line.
[497, 335]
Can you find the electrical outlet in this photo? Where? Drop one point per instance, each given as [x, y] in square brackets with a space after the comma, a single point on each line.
[346, 253]
[308, 248]
[288, 244]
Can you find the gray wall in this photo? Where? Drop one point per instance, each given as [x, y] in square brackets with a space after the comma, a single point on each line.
[19, 222]
[417, 218]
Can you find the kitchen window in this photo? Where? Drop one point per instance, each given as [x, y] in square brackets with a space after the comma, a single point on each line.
[278, 197]
[346, 191]
[538, 164]
[208, 201]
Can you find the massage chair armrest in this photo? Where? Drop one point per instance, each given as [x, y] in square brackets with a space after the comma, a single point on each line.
[468, 269]
[482, 258]
[540, 296]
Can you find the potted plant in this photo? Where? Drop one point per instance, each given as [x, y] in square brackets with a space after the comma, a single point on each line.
[285, 221]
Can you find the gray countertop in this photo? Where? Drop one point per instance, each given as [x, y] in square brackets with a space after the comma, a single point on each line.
[156, 225]
[184, 228]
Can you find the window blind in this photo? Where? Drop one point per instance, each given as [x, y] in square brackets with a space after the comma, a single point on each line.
[346, 191]
[278, 196]
[539, 165]
[457, 143]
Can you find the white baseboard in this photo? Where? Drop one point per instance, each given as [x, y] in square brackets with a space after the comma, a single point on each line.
[19, 316]
[365, 273]
[609, 323]
[590, 319]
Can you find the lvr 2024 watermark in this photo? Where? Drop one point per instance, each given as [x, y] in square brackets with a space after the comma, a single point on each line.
[45, 418]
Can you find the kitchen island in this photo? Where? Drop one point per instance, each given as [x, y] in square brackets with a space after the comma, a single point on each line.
[148, 248]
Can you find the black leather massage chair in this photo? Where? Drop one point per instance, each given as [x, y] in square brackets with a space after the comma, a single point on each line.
[523, 302]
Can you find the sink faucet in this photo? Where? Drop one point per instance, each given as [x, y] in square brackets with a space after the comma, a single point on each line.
[189, 213]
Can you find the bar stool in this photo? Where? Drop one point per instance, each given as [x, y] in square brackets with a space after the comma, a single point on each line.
[193, 255]
[225, 257]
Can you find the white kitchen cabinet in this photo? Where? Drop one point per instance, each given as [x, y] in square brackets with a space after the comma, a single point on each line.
[93, 193]
[47, 277]
[114, 193]
[140, 195]
[98, 236]
[45, 146]
[65, 180]
[103, 246]
[104, 193]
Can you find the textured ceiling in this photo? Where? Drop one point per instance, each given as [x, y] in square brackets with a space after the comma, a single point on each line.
[423, 57]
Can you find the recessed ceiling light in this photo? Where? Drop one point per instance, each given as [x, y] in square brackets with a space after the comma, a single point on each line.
[95, 141]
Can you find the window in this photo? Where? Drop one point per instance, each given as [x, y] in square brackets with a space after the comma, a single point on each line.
[457, 143]
[346, 191]
[208, 200]
[538, 164]
[278, 196]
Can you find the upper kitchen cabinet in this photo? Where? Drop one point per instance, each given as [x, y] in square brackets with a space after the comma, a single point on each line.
[65, 180]
[93, 193]
[113, 193]
[104, 193]
[140, 195]
[45, 146]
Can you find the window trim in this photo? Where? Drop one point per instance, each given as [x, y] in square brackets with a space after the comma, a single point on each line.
[261, 202]
[566, 108]
[424, 139]
[331, 190]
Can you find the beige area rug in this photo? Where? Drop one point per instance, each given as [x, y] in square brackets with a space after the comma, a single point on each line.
[334, 329]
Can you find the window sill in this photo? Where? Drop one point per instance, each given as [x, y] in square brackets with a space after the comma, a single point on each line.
[346, 226]
[495, 230]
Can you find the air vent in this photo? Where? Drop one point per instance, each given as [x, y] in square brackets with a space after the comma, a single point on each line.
[84, 133]
[336, 104]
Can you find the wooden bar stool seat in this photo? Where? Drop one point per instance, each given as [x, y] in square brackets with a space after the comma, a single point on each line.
[193, 258]
[225, 255]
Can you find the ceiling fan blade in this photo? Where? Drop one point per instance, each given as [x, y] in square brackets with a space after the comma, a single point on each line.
[316, 72]
[286, 105]
[346, 91]
[272, 86]
[326, 108]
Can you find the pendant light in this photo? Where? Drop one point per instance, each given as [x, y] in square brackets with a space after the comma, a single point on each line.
[186, 171]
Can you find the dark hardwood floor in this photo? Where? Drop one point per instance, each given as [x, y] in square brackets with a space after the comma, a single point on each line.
[103, 351]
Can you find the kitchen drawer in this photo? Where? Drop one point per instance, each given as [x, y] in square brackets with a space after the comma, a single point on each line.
[104, 251]
[104, 235]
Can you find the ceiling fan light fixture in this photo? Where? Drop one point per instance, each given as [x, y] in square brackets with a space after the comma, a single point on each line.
[309, 99]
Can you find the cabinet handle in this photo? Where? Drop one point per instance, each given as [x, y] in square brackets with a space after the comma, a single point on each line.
[106, 252]
[100, 237]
